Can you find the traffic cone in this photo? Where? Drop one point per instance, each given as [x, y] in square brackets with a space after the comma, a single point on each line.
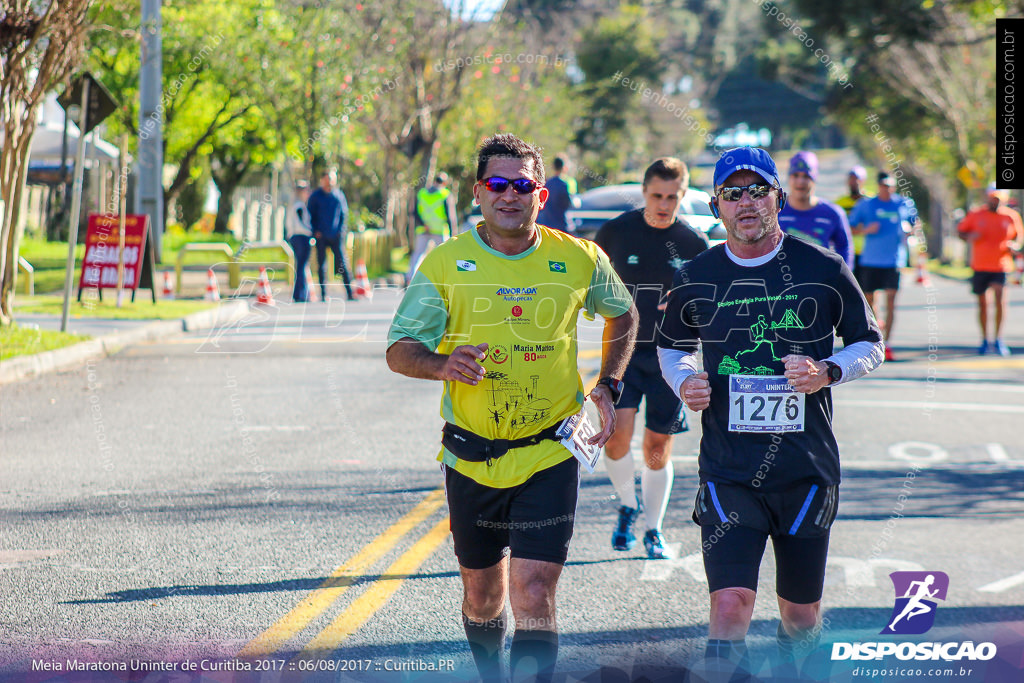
[362, 281]
[212, 289]
[264, 296]
[922, 270]
[313, 289]
[168, 292]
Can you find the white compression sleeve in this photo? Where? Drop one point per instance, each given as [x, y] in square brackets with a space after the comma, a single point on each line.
[676, 366]
[857, 359]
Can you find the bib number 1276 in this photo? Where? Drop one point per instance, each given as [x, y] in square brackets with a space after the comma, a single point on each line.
[764, 404]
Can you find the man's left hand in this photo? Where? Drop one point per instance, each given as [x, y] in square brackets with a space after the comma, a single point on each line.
[805, 374]
[602, 398]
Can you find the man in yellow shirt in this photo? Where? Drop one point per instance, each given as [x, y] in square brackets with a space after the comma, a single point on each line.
[492, 313]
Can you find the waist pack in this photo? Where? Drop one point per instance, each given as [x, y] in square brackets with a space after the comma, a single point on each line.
[472, 447]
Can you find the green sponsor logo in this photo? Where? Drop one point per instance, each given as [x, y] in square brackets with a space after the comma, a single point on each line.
[556, 266]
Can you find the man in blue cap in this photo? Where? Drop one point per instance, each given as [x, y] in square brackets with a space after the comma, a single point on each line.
[765, 309]
[809, 217]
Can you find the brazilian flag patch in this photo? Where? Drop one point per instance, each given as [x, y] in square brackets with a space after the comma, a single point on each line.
[556, 266]
[465, 265]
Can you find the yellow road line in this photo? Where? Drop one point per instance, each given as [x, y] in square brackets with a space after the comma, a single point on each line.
[340, 579]
[367, 604]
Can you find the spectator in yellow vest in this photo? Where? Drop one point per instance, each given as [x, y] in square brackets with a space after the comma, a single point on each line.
[434, 217]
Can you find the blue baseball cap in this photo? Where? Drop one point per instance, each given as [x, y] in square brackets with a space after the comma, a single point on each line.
[746, 159]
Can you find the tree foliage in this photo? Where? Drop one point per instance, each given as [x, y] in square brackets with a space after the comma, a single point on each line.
[40, 43]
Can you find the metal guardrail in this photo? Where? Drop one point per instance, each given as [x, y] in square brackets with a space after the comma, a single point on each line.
[30, 274]
[234, 272]
[372, 246]
[283, 248]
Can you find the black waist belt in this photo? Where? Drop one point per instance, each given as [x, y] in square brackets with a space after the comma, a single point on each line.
[466, 445]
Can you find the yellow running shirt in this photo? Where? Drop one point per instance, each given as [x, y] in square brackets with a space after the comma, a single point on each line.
[525, 307]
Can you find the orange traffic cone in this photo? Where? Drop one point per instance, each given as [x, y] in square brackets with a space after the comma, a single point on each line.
[922, 270]
[264, 296]
[168, 292]
[314, 290]
[212, 289]
[362, 281]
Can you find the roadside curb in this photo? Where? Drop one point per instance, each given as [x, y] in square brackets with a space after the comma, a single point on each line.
[27, 367]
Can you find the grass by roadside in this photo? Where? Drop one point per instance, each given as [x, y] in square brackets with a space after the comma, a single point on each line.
[16, 340]
[950, 270]
[142, 309]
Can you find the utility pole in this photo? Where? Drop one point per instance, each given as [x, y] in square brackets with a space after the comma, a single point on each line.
[149, 197]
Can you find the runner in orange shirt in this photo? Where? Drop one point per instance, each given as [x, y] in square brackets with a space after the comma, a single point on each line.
[994, 232]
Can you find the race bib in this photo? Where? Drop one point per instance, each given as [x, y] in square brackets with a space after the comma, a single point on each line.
[573, 434]
[764, 404]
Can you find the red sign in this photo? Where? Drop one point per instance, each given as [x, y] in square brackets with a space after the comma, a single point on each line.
[99, 266]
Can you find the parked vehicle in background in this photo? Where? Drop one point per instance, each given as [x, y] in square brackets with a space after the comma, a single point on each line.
[601, 204]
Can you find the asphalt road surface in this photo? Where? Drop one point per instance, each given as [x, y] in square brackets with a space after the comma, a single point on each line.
[262, 502]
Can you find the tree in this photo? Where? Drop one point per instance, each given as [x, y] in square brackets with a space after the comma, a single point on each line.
[40, 43]
[922, 88]
[209, 79]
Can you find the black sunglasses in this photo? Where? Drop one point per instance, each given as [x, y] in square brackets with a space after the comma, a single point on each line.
[734, 194]
[520, 185]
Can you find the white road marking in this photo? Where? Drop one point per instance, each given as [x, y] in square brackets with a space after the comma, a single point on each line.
[932, 454]
[1003, 584]
[933, 405]
[859, 572]
[997, 452]
[661, 570]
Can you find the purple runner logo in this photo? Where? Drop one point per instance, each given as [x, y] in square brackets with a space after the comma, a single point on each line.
[916, 593]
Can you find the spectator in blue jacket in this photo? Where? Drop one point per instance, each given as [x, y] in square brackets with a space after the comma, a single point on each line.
[328, 213]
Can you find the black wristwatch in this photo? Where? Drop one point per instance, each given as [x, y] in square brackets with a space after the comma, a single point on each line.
[614, 386]
[835, 373]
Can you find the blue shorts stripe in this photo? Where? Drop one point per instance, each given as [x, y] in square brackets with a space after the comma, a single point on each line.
[718, 506]
[803, 510]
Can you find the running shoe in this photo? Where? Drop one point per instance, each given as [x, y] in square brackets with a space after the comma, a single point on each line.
[623, 537]
[1001, 348]
[984, 348]
[888, 354]
[654, 542]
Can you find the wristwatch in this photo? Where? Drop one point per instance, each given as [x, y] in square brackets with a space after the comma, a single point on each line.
[835, 373]
[614, 386]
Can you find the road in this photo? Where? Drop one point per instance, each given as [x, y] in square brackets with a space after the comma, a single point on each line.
[267, 495]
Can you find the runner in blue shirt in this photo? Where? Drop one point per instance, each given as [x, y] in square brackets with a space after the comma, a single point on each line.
[884, 221]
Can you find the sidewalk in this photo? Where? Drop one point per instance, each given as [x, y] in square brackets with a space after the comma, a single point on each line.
[108, 337]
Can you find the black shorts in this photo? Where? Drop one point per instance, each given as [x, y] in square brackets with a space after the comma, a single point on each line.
[664, 412]
[981, 280]
[872, 279]
[736, 522]
[533, 520]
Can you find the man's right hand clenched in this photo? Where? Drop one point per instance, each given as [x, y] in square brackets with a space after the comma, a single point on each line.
[696, 391]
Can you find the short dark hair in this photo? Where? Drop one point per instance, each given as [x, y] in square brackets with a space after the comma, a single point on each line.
[506, 145]
[558, 164]
[668, 168]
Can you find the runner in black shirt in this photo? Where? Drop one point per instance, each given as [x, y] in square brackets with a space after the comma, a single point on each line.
[647, 246]
[764, 309]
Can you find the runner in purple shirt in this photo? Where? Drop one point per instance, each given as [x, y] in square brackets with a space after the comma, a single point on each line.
[809, 217]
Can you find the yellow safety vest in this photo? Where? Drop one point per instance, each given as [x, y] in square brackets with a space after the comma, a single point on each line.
[430, 205]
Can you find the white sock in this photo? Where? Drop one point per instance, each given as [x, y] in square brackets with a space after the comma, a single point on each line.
[656, 486]
[621, 473]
